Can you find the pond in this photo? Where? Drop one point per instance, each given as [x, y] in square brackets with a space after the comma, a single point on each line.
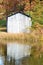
[18, 53]
[13, 53]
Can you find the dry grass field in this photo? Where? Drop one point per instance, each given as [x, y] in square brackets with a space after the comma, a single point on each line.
[5, 35]
[34, 37]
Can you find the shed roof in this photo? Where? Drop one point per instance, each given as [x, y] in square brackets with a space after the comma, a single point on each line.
[20, 13]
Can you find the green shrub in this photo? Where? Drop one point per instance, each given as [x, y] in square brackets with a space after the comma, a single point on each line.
[2, 23]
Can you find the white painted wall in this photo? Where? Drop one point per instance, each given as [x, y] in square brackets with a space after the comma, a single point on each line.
[18, 50]
[18, 23]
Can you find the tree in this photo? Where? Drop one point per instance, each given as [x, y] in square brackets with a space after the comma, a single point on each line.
[36, 11]
[10, 5]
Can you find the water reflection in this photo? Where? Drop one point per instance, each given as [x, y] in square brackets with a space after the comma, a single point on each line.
[14, 53]
[17, 51]
[2, 54]
[1, 60]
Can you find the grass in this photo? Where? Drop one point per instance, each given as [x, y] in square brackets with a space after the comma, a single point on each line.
[3, 29]
[9, 36]
[31, 38]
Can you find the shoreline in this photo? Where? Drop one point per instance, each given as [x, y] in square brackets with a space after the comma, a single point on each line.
[21, 37]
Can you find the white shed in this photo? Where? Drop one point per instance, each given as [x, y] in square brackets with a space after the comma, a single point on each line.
[18, 23]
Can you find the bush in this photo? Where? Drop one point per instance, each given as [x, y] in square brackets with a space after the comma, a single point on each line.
[2, 23]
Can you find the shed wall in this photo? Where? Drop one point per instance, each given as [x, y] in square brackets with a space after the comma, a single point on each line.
[18, 23]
